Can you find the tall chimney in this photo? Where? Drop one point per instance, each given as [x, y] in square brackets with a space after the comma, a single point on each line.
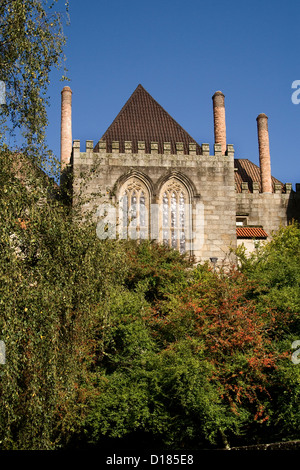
[66, 127]
[264, 153]
[219, 120]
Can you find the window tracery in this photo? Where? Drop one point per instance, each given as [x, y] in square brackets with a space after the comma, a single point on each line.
[134, 210]
[174, 219]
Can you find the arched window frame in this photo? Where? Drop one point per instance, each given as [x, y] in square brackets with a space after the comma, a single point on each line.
[175, 218]
[134, 209]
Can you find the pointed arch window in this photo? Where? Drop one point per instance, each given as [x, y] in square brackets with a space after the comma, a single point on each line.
[174, 215]
[134, 210]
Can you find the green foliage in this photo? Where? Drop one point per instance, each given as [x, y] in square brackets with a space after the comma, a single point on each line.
[194, 358]
[109, 339]
[54, 275]
[276, 269]
[168, 395]
[155, 269]
[32, 40]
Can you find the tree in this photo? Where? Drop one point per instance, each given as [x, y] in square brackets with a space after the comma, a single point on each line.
[31, 44]
[275, 268]
[193, 358]
[54, 277]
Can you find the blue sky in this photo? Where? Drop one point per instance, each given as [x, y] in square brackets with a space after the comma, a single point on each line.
[182, 52]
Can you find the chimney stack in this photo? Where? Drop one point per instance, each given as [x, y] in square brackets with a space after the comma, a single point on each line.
[219, 120]
[264, 153]
[66, 127]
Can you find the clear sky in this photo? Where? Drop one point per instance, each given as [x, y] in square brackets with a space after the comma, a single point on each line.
[182, 51]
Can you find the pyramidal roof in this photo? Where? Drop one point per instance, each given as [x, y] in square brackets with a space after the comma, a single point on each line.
[143, 119]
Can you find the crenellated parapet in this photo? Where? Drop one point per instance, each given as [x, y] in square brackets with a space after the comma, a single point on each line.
[102, 148]
[278, 188]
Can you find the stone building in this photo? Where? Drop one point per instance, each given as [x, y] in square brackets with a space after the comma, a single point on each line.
[148, 178]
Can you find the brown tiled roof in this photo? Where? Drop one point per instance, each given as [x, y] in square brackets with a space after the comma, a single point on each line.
[250, 232]
[248, 172]
[143, 119]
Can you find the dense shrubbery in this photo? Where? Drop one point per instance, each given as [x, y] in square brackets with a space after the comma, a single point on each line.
[54, 276]
[206, 361]
[107, 339]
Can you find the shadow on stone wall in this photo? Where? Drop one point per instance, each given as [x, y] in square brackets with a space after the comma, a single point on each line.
[293, 207]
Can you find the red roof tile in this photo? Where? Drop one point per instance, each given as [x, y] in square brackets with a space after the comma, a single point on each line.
[250, 232]
[143, 119]
[248, 172]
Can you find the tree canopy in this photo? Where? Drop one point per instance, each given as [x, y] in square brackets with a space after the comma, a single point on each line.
[102, 349]
[111, 339]
[31, 44]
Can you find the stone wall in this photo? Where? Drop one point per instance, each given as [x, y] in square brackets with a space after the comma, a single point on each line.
[269, 210]
[209, 180]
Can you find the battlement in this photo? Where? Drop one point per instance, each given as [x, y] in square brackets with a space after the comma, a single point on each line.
[128, 158]
[278, 188]
[101, 148]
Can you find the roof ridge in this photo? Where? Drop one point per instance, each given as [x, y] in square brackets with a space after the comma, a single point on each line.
[147, 120]
[123, 108]
[163, 109]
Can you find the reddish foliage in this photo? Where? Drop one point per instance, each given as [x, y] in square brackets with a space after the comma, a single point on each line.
[232, 334]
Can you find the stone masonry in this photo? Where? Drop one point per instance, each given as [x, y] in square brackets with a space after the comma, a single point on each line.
[146, 146]
[209, 179]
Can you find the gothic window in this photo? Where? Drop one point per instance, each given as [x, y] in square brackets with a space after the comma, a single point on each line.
[174, 215]
[134, 210]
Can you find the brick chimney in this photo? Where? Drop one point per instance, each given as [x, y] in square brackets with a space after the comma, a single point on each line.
[219, 120]
[264, 153]
[66, 127]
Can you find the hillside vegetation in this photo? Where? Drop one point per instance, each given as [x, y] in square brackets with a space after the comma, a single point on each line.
[108, 341]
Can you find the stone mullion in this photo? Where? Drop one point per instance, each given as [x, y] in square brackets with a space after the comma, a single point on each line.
[138, 224]
[170, 218]
[177, 221]
[128, 212]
